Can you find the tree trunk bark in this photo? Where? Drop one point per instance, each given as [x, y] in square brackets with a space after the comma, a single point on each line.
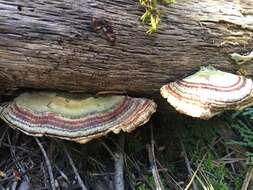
[49, 44]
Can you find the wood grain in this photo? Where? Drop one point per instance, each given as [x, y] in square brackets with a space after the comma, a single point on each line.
[49, 44]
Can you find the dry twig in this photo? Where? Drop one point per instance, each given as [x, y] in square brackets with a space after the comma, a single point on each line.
[188, 165]
[132, 161]
[200, 163]
[151, 154]
[80, 181]
[247, 179]
[170, 180]
[48, 164]
[119, 164]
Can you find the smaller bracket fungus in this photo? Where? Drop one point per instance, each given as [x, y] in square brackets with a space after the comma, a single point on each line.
[77, 118]
[241, 59]
[209, 92]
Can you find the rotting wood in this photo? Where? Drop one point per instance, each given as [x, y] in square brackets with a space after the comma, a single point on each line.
[49, 44]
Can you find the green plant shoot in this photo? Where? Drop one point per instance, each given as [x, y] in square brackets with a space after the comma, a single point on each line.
[152, 14]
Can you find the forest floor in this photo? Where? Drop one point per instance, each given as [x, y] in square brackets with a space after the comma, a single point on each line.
[187, 154]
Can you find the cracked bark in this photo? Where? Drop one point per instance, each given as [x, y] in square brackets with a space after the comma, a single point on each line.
[49, 44]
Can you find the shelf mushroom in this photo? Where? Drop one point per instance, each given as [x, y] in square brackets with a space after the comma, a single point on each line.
[78, 118]
[209, 92]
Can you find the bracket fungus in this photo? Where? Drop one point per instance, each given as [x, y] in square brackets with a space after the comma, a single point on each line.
[241, 59]
[209, 92]
[77, 118]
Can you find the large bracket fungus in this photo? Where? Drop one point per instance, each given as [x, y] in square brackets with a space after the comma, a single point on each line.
[209, 92]
[77, 118]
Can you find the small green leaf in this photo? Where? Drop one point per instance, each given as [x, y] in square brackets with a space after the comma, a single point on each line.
[153, 22]
[145, 16]
[152, 13]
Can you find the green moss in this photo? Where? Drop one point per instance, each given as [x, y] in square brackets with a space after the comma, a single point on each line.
[152, 14]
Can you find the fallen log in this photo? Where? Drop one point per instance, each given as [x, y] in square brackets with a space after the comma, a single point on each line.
[51, 45]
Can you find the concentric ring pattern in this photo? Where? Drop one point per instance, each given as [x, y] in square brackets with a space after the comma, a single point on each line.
[79, 118]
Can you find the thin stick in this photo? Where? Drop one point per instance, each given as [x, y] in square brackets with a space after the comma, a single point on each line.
[247, 179]
[119, 182]
[151, 155]
[132, 162]
[107, 148]
[14, 185]
[188, 165]
[170, 179]
[195, 173]
[80, 181]
[200, 164]
[231, 164]
[3, 136]
[18, 165]
[48, 164]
